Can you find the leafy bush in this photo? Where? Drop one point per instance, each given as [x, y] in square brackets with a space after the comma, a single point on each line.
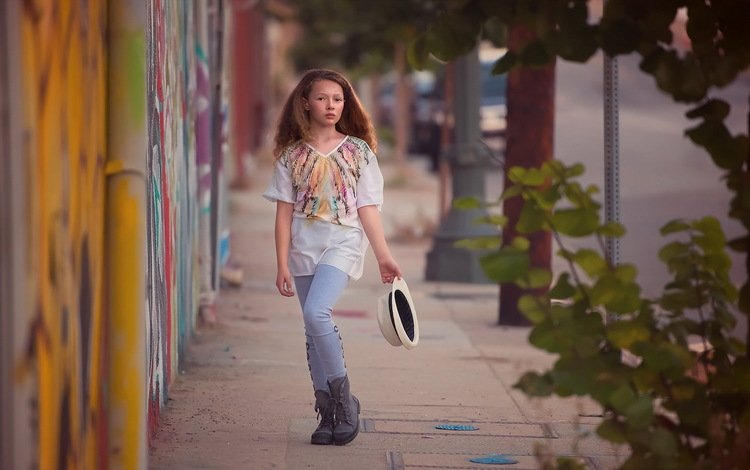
[672, 381]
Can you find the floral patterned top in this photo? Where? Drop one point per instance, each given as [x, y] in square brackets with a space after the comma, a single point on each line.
[327, 188]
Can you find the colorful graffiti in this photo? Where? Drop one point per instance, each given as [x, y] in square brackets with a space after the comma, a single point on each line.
[64, 74]
[173, 234]
[118, 133]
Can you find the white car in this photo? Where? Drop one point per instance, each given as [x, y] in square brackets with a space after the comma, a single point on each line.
[492, 102]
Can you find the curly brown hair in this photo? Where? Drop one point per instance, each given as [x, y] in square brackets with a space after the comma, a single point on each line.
[294, 123]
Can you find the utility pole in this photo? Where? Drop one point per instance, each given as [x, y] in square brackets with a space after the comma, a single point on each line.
[611, 157]
[469, 162]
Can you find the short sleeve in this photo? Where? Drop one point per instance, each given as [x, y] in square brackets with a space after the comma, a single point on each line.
[280, 188]
[370, 183]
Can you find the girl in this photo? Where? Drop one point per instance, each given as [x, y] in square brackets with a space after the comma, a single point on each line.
[328, 190]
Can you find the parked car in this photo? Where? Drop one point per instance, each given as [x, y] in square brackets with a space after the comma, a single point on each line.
[492, 98]
[427, 115]
[428, 112]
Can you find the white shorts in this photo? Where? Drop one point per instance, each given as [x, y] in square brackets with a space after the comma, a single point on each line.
[319, 242]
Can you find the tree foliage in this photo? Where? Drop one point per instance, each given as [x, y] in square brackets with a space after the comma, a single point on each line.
[357, 35]
[673, 383]
[676, 405]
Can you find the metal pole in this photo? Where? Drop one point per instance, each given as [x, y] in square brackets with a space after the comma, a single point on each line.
[215, 44]
[18, 410]
[611, 156]
[126, 245]
[469, 161]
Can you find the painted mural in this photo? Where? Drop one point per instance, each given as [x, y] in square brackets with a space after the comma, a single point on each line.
[173, 234]
[64, 76]
[119, 137]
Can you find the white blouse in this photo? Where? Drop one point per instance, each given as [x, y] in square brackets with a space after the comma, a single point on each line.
[326, 190]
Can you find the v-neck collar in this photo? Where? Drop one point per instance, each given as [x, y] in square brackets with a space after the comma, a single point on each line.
[333, 150]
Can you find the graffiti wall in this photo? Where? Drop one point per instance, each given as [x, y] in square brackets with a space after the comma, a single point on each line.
[175, 117]
[111, 234]
[64, 119]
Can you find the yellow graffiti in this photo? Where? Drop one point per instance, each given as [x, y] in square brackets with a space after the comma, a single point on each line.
[64, 79]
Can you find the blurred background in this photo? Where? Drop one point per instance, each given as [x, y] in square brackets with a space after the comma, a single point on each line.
[126, 124]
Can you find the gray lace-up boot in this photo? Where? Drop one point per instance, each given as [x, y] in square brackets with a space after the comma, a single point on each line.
[324, 405]
[346, 414]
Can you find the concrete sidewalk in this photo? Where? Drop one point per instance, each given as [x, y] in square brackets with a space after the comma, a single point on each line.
[244, 399]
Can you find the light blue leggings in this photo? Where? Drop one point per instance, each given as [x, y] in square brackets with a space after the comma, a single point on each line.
[325, 351]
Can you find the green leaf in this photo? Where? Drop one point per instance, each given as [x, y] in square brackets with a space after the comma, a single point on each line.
[627, 300]
[535, 308]
[527, 176]
[684, 391]
[495, 30]
[531, 219]
[547, 336]
[676, 302]
[520, 243]
[713, 109]
[718, 262]
[727, 152]
[620, 36]
[622, 398]
[626, 272]
[674, 226]
[479, 243]
[740, 244]
[573, 378]
[453, 33]
[712, 239]
[535, 54]
[663, 443]
[575, 222]
[674, 250]
[511, 191]
[604, 290]
[535, 278]
[535, 385]
[570, 463]
[505, 265]
[417, 53]
[744, 297]
[497, 220]
[612, 431]
[640, 413]
[576, 44]
[563, 289]
[574, 170]
[590, 261]
[611, 229]
[623, 334]
[505, 63]
[668, 358]
[467, 202]
[616, 295]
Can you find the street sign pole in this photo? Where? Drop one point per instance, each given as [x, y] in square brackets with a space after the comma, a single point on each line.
[611, 156]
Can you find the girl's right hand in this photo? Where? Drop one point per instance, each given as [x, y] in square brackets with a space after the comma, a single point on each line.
[284, 283]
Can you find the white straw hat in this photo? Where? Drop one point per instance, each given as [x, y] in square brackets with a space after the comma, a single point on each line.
[397, 316]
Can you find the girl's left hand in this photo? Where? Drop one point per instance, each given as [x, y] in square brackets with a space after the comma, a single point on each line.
[284, 283]
[389, 270]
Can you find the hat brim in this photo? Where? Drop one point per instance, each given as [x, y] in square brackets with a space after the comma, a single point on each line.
[385, 321]
[404, 314]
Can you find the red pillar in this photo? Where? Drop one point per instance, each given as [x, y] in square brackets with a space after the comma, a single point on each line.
[529, 143]
[249, 85]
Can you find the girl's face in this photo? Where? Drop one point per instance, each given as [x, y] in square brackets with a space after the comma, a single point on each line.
[325, 103]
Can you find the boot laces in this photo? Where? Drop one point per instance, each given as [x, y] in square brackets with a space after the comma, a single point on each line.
[325, 414]
[342, 411]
